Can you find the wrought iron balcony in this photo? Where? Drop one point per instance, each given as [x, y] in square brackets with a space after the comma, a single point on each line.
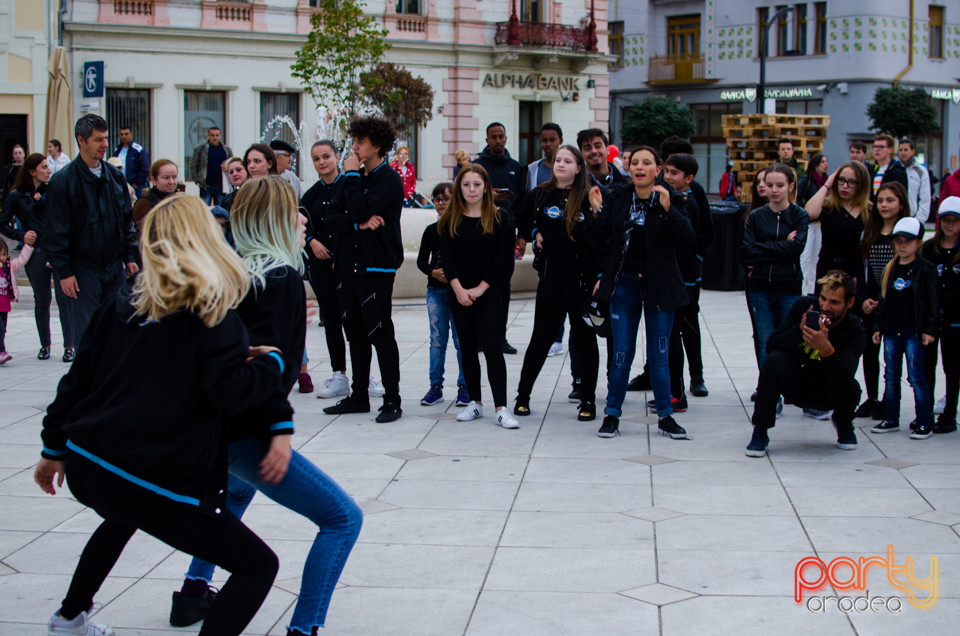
[676, 70]
[546, 35]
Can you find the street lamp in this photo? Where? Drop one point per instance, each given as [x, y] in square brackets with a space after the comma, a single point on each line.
[761, 90]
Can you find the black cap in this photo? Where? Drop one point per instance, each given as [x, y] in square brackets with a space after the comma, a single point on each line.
[280, 144]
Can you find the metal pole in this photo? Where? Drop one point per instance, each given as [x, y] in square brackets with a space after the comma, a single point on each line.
[763, 57]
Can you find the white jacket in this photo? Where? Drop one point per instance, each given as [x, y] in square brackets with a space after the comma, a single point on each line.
[919, 190]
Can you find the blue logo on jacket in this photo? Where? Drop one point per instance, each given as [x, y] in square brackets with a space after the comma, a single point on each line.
[553, 212]
[900, 284]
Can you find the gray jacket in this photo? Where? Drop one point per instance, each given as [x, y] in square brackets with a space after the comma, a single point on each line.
[198, 162]
[919, 189]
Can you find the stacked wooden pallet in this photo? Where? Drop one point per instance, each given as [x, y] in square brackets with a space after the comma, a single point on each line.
[752, 141]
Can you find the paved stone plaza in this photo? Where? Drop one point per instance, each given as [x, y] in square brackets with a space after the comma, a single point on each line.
[472, 529]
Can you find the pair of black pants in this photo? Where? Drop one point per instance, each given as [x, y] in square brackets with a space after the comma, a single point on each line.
[804, 387]
[222, 540]
[949, 340]
[686, 332]
[481, 324]
[40, 276]
[505, 298]
[96, 284]
[3, 330]
[871, 360]
[559, 295]
[323, 280]
[366, 303]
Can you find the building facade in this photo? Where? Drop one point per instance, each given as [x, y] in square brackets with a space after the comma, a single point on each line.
[822, 58]
[175, 67]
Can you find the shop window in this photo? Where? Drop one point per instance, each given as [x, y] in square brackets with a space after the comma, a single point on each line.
[820, 38]
[936, 31]
[202, 110]
[615, 38]
[129, 108]
[683, 36]
[800, 107]
[278, 111]
[408, 6]
[531, 118]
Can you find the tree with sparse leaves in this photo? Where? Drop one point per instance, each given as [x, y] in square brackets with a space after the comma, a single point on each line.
[343, 43]
[405, 100]
[902, 112]
[654, 119]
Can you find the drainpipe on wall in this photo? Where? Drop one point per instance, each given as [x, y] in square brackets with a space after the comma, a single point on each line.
[910, 49]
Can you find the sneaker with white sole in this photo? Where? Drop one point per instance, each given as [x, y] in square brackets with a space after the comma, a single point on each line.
[472, 412]
[79, 626]
[817, 414]
[556, 349]
[506, 420]
[374, 389]
[337, 385]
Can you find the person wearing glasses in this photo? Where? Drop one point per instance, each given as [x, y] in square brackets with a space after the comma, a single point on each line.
[285, 153]
[885, 168]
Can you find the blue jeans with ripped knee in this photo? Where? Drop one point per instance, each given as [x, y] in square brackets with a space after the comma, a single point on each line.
[630, 300]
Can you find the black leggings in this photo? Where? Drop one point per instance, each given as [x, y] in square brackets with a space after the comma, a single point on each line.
[367, 304]
[126, 508]
[482, 323]
[40, 276]
[686, 337]
[871, 360]
[950, 348]
[3, 330]
[323, 281]
[559, 295]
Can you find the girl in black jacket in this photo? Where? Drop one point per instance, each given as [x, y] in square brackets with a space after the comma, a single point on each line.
[553, 216]
[28, 204]
[639, 229]
[171, 332]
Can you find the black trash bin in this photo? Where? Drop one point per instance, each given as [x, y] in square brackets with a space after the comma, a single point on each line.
[721, 267]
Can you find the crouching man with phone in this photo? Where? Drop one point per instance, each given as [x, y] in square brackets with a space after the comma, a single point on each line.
[812, 359]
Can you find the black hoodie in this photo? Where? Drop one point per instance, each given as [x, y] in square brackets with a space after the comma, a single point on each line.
[505, 172]
[145, 400]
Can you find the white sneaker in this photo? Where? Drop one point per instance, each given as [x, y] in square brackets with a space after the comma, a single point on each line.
[556, 349]
[79, 626]
[337, 385]
[472, 412]
[506, 420]
[374, 389]
[941, 404]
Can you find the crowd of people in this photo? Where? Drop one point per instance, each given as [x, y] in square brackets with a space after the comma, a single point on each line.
[612, 243]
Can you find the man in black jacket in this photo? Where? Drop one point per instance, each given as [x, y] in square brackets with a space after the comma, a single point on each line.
[90, 238]
[509, 180]
[366, 219]
[135, 158]
[813, 368]
[886, 168]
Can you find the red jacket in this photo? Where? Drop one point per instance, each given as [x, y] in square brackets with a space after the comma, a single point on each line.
[409, 179]
[951, 186]
[725, 184]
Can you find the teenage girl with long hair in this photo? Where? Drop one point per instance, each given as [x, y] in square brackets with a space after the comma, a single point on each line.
[269, 232]
[553, 217]
[842, 205]
[170, 331]
[476, 247]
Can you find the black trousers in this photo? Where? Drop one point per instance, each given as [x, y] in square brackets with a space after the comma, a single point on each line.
[949, 340]
[806, 388]
[559, 295]
[97, 284]
[40, 276]
[482, 324]
[871, 360]
[366, 303]
[686, 332]
[505, 297]
[126, 508]
[3, 330]
[323, 281]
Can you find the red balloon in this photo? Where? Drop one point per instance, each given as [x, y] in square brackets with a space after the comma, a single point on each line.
[612, 152]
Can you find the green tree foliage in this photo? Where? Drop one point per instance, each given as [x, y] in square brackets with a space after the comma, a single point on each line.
[902, 112]
[654, 119]
[402, 98]
[341, 45]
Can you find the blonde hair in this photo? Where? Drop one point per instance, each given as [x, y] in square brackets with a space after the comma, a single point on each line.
[489, 212]
[186, 264]
[265, 223]
[884, 282]
[460, 154]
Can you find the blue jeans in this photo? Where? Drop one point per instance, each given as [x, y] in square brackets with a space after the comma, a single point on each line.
[441, 325]
[626, 307]
[894, 349]
[769, 310]
[309, 491]
[211, 197]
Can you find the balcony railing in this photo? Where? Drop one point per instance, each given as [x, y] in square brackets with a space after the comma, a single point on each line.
[666, 70]
[545, 35]
[133, 7]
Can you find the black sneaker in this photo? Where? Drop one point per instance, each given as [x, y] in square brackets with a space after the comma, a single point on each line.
[923, 432]
[886, 426]
[187, 610]
[679, 404]
[670, 428]
[508, 348]
[588, 412]
[348, 404]
[574, 396]
[640, 383]
[758, 443]
[846, 439]
[944, 425]
[698, 388]
[913, 425]
[867, 408]
[753, 396]
[389, 412]
[610, 426]
[522, 406]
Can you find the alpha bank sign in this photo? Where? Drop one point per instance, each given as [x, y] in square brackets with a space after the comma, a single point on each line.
[750, 94]
[946, 94]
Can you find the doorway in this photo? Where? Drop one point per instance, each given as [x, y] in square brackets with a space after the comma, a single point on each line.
[531, 118]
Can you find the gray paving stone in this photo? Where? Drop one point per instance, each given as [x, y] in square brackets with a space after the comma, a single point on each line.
[659, 594]
[570, 569]
[653, 514]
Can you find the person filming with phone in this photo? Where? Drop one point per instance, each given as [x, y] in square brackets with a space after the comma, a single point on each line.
[812, 360]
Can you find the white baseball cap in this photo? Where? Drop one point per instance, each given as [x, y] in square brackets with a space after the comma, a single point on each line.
[908, 227]
[950, 205]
